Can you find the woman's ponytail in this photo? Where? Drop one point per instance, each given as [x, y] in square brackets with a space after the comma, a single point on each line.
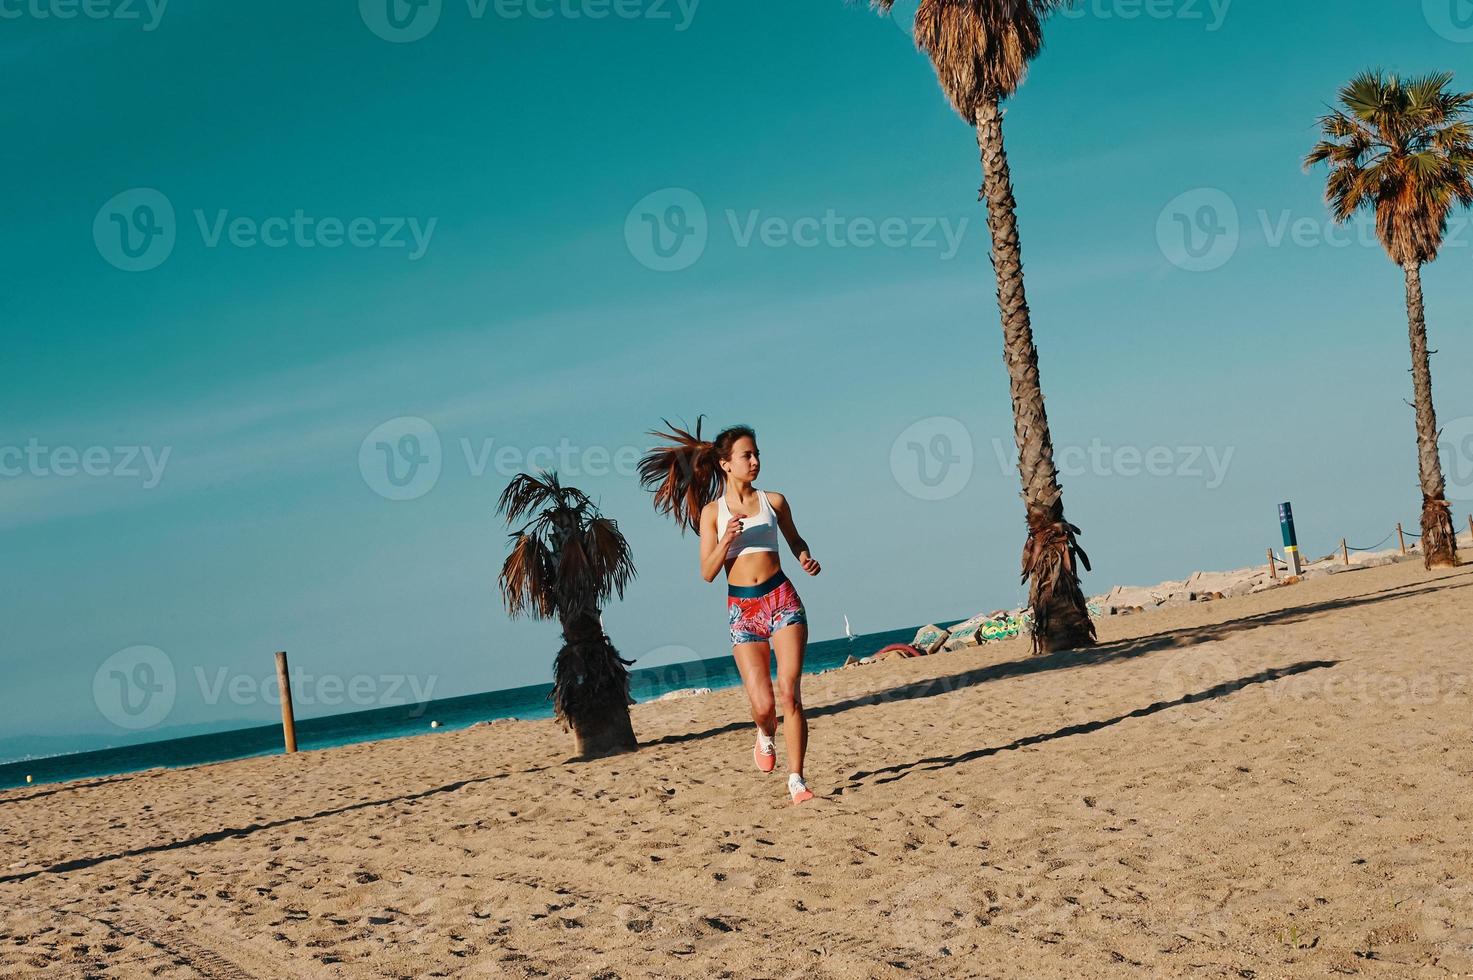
[685, 476]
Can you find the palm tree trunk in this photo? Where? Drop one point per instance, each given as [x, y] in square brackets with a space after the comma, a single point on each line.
[1439, 540]
[591, 689]
[1060, 614]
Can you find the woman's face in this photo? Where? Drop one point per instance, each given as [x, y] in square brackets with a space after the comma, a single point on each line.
[743, 464]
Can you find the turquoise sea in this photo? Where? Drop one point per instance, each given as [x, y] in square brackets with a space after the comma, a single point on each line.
[646, 684]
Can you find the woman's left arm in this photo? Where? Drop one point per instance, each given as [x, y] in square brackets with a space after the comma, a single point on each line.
[790, 531]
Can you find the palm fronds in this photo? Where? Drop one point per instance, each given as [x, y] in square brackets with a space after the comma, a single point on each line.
[527, 578]
[609, 555]
[1402, 149]
[980, 48]
[567, 559]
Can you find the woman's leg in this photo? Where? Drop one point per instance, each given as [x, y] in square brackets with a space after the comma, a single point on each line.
[789, 643]
[755, 665]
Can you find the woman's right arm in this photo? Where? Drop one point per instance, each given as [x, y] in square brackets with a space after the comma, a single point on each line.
[713, 545]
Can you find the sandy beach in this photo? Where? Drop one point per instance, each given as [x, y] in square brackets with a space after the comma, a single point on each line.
[1275, 785]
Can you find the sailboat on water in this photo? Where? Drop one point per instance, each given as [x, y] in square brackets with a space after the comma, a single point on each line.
[848, 633]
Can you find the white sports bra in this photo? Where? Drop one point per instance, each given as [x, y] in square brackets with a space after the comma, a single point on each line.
[759, 533]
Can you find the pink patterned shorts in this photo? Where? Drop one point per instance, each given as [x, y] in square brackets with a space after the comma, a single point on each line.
[755, 612]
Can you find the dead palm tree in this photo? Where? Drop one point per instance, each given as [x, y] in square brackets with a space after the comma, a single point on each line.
[981, 50]
[1404, 149]
[566, 562]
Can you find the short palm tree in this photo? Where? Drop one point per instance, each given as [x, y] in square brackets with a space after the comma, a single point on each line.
[566, 563]
[981, 50]
[1404, 150]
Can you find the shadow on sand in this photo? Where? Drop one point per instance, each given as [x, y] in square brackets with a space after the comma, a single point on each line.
[81, 864]
[889, 774]
[1104, 653]
[64, 788]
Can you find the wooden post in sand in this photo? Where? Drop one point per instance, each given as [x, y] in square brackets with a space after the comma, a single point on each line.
[1401, 537]
[288, 720]
[1273, 568]
[1344, 551]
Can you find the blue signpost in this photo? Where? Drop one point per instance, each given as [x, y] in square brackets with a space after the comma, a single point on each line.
[1291, 542]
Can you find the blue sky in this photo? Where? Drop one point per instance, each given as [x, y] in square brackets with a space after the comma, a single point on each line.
[824, 304]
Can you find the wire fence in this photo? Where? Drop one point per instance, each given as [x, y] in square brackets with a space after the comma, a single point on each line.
[1372, 547]
[1400, 528]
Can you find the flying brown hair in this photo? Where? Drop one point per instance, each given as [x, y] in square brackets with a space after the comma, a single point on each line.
[686, 475]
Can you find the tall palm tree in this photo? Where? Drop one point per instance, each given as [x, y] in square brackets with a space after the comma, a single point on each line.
[1404, 149]
[981, 50]
[566, 562]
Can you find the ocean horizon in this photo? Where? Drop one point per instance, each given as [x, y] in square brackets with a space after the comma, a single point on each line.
[528, 702]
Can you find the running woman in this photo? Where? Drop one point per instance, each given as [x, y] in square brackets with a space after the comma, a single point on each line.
[709, 487]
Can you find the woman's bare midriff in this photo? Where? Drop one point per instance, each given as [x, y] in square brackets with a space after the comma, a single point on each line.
[753, 569]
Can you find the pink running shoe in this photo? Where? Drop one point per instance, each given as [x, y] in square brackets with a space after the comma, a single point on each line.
[799, 789]
[766, 759]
